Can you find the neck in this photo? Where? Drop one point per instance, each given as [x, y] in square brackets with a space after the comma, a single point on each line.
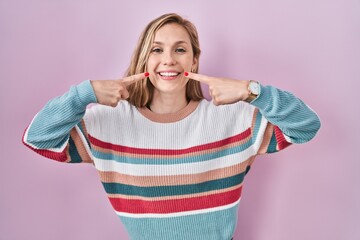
[167, 103]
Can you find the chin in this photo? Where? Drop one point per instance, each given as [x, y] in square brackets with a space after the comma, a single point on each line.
[167, 86]
[173, 90]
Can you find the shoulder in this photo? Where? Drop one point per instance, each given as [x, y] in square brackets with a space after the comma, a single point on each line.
[237, 116]
[238, 108]
[107, 113]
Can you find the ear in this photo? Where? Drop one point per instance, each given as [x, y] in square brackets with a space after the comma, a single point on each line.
[195, 63]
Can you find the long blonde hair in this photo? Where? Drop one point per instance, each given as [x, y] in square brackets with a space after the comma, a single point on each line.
[141, 92]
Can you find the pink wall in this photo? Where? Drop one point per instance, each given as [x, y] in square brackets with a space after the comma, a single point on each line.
[308, 47]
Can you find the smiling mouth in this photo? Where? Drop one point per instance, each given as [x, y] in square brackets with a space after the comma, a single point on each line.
[169, 74]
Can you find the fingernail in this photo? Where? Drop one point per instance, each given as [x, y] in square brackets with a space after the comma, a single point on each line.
[186, 74]
[147, 74]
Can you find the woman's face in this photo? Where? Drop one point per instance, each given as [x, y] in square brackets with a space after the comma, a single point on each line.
[171, 55]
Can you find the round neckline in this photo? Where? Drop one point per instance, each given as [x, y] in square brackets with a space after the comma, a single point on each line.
[169, 117]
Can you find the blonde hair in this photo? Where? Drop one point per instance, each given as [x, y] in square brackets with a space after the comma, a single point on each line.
[141, 92]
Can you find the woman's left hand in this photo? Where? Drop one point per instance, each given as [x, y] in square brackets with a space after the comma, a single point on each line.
[223, 90]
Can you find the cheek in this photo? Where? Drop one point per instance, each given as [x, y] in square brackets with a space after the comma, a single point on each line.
[151, 64]
[188, 62]
[150, 67]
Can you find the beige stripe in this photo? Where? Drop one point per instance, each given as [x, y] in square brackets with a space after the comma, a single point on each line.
[68, 157]
[177, 196]
[254, 121]
[266, 139]
[251, 160]
[82, 122]
[173, 180]
[80, 145]
[85, 133]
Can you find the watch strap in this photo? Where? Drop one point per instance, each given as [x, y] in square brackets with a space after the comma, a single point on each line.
[252, 96]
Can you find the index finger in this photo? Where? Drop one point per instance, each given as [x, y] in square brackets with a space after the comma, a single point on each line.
[199, 77]
[134, 78]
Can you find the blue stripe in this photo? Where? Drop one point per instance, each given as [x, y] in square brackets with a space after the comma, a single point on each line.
[169, 161]
[75, 157]
[205, 226]
[272, 145]
[119, 188]
[258, 119]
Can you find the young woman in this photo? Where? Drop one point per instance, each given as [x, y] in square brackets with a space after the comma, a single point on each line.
[172, 163]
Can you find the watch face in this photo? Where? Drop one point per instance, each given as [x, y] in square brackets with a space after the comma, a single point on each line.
[254, 87]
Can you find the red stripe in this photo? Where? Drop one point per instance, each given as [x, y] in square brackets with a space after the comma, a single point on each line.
[175, 205]
[207, 146]
[61, 157]
[281, 141]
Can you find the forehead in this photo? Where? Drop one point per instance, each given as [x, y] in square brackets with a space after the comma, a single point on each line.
[172, 33]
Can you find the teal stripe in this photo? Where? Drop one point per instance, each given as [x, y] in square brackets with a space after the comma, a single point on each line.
[205, 226]
[170, 161]
[75, 157]
[258, 119]
[295, 119]
[119, 188]
[272, 145]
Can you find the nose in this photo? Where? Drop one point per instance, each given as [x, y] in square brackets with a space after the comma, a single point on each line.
[168, 59]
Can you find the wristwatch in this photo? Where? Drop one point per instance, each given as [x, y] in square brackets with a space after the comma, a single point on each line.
[254, 90]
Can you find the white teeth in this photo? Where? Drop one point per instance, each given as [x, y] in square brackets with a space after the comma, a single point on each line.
[169, 74]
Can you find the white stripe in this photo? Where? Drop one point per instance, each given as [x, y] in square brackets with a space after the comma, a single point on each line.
[260, 135]
[57, 150]
[174, 169]
[120, 126]
[178, 214]
[288, 139]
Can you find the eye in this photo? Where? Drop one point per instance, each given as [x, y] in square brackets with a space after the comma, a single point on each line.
[180, 50]
[156, 50]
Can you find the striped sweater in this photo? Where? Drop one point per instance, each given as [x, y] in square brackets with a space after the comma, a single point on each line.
[171, 176]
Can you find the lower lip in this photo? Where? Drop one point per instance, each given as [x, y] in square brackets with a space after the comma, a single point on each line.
[168, 78]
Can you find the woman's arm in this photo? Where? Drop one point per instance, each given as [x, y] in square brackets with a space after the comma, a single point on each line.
[297, 121]
[290, 120]
[58, 131]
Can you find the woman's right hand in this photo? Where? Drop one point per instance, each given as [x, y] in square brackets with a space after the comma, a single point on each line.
[110, 92]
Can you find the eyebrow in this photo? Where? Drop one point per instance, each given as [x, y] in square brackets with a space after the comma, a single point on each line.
[178, 42]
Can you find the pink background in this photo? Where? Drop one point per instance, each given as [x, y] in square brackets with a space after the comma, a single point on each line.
[309, 47]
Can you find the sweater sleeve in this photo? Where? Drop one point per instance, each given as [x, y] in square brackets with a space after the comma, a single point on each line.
[283, 119]
[58, 131]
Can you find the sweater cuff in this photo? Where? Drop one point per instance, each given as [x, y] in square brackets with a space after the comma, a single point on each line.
[86, 93]
[264, 98]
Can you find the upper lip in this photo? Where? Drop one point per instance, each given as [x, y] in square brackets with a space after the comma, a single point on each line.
[169, 71]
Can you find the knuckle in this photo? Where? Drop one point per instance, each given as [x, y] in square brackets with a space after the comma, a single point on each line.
[218, 100]
[121, 87]
[125, 95]
[114, 103]
[113, 84]
[117, 95]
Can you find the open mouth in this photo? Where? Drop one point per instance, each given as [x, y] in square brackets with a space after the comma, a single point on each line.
[169, 75]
